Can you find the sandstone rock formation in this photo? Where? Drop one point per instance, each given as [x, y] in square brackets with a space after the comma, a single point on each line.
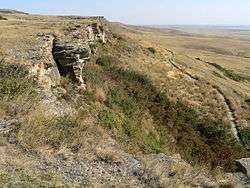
[65, 54]
[96, 32]
[44, 67]
[70, 59]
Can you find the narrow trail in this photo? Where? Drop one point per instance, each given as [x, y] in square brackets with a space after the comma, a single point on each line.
[227, 104]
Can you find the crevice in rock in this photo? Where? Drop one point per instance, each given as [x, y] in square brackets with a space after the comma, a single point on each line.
[58, 54]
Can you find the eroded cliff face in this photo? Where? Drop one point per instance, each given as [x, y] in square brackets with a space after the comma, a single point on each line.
[65, 54]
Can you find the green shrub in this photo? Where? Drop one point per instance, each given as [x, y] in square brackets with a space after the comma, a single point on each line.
[230, 74]
[14, 81]
[245, 135]
[104, 60]
[152, 50]
[111, 119]
[211, 130]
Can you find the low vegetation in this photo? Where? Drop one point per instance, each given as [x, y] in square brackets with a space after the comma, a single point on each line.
[230, 74]
[17, 90]
[135, 111]
[3, 18]
[14, 81]
[53, 131]
[152, 50]
[245, 135]
[19, 177]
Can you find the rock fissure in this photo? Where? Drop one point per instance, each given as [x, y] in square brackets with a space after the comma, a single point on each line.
[70, 59]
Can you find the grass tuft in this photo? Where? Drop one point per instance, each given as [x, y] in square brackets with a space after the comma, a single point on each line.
[152, 50]
[14, 81]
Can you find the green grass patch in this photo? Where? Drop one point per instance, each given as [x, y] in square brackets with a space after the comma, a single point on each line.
[14, 81]
[231, 74]
[112, 119]
[104, 61]
[19, 177]
[245, 135]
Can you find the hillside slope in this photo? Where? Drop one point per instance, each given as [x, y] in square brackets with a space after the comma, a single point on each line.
[91, 103]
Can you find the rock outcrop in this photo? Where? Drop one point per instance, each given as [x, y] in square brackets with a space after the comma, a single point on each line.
[96, 33]
[71, 58]
[65, 54]
[44, 67]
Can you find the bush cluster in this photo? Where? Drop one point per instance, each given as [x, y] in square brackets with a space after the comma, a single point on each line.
[152, 50]
[230, 74]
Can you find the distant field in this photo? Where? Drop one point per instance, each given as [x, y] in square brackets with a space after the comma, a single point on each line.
[223, 31]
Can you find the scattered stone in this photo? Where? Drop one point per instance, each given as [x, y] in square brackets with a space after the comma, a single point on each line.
[7, 125]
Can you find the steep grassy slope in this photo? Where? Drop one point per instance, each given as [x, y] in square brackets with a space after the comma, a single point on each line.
[133, 109]
[214, 59]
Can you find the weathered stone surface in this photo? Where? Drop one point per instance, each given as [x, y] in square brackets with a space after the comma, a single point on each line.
[68, 53]
[113, 167]
[44, 67]
[70, 59]
[65, 54]
[170, 171]
[71, 52]
[96, 33]
[244, 166]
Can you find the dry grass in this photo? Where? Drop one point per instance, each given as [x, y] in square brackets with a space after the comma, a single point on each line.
[229, 53]
[132, 94]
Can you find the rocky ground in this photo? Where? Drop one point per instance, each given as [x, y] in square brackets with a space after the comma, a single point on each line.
[108, 166]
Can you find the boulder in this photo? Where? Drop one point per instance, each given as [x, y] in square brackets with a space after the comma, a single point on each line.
[67, 54]
[244, 166]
